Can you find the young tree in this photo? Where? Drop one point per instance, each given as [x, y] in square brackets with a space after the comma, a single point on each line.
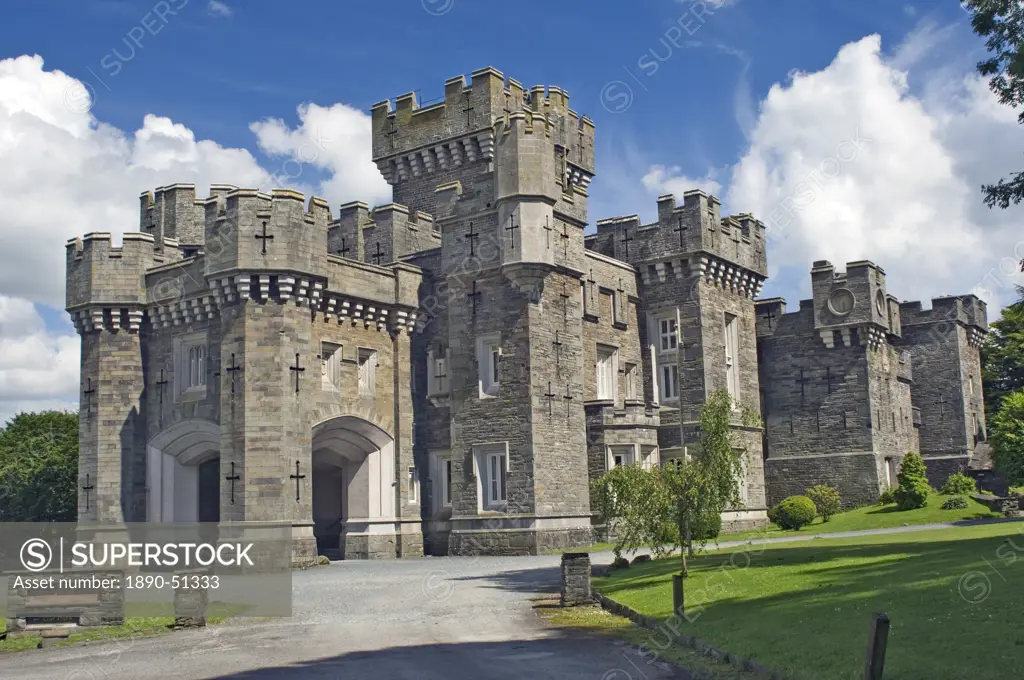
[1008, 438]
[1001, 23]
[1002, 357]
[912, 491]
[39, 468]
[708, 482]
[633, 503]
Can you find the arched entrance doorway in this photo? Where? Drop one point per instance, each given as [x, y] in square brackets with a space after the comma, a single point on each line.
[353, 486]
[183, 473]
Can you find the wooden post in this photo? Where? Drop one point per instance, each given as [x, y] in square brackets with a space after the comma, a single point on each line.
[877, 641]
[678, 599]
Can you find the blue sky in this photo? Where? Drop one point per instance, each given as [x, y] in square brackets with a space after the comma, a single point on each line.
[865, 120]
[216, 70]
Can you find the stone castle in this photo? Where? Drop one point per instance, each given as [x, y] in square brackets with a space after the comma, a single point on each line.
[446, 373]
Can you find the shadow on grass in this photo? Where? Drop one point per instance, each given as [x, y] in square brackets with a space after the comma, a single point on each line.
[804, 610]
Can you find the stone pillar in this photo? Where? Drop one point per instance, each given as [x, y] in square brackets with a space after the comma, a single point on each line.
[191, 603]
[409, 526]
[576, 579]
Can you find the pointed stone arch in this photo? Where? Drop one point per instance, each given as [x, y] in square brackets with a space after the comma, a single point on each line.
[174, 456]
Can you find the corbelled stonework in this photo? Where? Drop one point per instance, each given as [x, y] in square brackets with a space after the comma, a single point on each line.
[446, 373]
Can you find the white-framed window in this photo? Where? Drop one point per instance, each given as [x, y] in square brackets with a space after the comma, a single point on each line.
[890, 471]
[446, 481]
[667, 335]
[632, 381]
[190, 364]
[607, 372]
[492, 475]
[489, 364]
[649, 457]
[437, 371]
[367, 371]
[666, 332]
[619, 455]
[414, 486]
[669, 382]
[330, 365]
[732, 371]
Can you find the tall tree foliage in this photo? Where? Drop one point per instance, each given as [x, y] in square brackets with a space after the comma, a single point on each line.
[1001, 23]
[1002, 357]
[1008, 438]
[39, 468]
[658, 508]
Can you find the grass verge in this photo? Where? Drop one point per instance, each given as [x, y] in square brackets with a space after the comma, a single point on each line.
[954, 597]
[597, 621]
[140, 626]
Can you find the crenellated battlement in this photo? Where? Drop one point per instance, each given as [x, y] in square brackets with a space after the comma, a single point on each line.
[684, 231]
[410, 140]
[393, 231]
[173, 212]
[99, 273]
[967, 310]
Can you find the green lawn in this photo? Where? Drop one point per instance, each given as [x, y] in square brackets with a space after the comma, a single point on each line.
[955, 597]
[870, 517]
[877, 517]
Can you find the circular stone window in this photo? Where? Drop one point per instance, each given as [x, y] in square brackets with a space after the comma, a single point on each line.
[840, 302]
[880, 303]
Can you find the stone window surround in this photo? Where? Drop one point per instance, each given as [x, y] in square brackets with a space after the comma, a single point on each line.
[331, 357]
[644, 454]
[183, 345]
[606, 366]
[443, 478]
[488, 357]
[482, 462]
[437, 365]
[631, 372]
[414, 486]
[659, 355]
[368, 361]
[731, 345]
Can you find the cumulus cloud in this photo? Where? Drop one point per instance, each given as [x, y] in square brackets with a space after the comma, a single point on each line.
[851, 163]
[219, 9]
[668, 180]
[65, 174]
[37, 370]
[334, 138]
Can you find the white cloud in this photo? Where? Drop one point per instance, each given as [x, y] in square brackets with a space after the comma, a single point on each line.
[845, 164]
[219, 9]
[38, 371]
[334, 138]
[661, 180]
[65, 174]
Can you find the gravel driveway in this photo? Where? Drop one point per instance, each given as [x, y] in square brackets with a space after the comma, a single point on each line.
[406, 619]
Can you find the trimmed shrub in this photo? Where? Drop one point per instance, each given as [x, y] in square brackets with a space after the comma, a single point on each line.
[826, 500]
[620, 563]
[795, 512]
[773, 514]
[958, 484]
[323, 560]
[955, 503]
[887, 497]
[913, 488]
[707, 527]
[641, 558]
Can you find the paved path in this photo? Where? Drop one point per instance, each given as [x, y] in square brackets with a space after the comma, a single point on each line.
[423, 619]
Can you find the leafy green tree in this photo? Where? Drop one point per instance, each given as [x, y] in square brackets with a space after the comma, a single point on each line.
[39, 468]
[708, 482]
[1001, 23]
[1008, 438]
[1002, 357]
[633, 503]
[912, 490]
[826, 500]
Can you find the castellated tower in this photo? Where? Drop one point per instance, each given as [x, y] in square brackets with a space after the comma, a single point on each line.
[501, 428]
[945, 343]
[698, 274]
[236, 370]
[837, 386]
